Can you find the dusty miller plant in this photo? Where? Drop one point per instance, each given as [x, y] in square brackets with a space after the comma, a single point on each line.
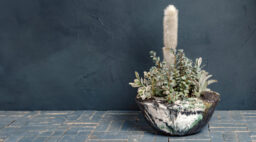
[181, 80]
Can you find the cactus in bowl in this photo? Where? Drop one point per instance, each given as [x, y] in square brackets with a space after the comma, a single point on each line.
[174, 95]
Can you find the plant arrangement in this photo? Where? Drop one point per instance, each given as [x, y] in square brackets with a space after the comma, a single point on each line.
[174, 94]
[181, 80]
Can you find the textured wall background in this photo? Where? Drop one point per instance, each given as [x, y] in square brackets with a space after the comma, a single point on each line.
[81, 54]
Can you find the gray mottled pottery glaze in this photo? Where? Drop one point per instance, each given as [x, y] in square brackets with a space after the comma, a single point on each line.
[181, 118]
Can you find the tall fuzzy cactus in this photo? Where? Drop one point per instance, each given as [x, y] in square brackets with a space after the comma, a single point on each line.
[177, 77]
[170, 33]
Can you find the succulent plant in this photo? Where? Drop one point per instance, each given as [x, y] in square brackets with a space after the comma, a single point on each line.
[181, 80]
[176, 77]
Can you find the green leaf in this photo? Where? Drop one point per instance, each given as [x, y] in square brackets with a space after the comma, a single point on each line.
[137, 75]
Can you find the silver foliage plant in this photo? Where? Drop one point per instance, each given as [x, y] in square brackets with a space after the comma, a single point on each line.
[178, 81]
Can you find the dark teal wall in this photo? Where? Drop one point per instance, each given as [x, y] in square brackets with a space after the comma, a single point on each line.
[81, 54]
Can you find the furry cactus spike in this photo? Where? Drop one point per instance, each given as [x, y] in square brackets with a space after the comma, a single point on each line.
[170, 33]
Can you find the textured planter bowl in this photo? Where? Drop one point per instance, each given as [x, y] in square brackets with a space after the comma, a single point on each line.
[181, 118]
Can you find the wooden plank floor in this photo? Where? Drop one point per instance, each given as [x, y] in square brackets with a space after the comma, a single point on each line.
[116, 126]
